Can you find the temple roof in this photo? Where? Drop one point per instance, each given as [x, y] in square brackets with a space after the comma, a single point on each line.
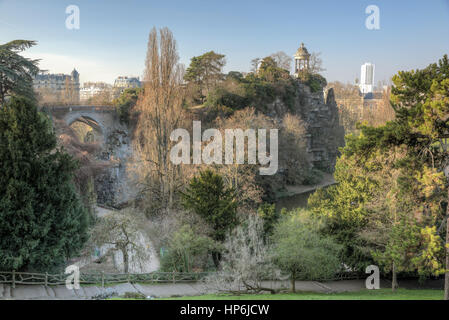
[302, 52]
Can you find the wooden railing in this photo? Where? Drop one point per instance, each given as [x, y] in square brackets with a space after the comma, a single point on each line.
[100, 278]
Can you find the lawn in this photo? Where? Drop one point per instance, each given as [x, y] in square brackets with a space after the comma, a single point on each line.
[382, 294]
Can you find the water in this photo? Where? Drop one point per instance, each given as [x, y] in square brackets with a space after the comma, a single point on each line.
[293, 202]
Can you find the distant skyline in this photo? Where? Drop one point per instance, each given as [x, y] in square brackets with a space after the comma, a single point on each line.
[112, 38]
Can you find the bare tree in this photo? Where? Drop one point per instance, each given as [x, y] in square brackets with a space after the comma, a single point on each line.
[121, 231]
[159, 113]
[282, 60]
[246, 260]
[294, 157]
[316, 63]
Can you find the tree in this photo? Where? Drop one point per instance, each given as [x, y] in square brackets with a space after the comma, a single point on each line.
[160, 112]
[205, 71]
[122, 231]
[16, 72]
[419, 98]
[207, 196]
[43, 220]
[270, 71]
[282, 60]
[186, 250]
[126, 102]
[316, 63]
[246, 260]
[302, 252]
[255, 64]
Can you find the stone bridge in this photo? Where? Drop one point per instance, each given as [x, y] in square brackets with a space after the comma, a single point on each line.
[100, 118]
[113, 187]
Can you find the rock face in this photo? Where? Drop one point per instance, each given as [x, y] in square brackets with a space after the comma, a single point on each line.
[114, 186]
[320, 113]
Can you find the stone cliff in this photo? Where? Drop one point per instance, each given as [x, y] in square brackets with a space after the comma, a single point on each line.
[320, 113]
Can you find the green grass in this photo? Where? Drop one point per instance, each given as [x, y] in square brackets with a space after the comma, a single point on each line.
[382, 294]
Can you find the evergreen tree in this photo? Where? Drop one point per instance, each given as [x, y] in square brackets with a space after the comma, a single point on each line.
[16, 72]
[43, 222]
[208, 197]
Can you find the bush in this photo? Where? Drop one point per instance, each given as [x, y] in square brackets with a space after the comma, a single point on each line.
[246, 260]
[222, 97]
[105, 294]
[186, 250]
[313, 176]
[134, 295]
[125, 102]
[301, 251]
[316, 82]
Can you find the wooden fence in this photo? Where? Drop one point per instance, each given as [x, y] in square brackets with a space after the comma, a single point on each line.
[101, 278]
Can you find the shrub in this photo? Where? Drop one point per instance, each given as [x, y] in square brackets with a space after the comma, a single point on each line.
[186, 250]
[134, 295]
[301, 251]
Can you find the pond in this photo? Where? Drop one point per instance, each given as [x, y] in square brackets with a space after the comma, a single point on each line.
[294, 201]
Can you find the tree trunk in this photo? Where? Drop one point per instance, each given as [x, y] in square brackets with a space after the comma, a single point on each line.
[216, 256]
[293, 282]
[446, 276]
[125, 260]
[394, 281]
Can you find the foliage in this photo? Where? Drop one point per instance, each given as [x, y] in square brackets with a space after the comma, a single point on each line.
[186, 250]
[301, 251]
[391, 187]
[267, 212]
[16, 72]
[125, 102]
[316, 82]
[207, 196]
[257, 90]
[205, 71]
[43, 220]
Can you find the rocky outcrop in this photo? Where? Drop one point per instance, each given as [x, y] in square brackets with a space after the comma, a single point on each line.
[320, 113]
[114, 187]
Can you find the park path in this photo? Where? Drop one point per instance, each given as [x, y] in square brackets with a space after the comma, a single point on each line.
[25, 292]
[22, 292]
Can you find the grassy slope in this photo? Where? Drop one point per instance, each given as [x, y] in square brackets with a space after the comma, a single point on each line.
[382, 294]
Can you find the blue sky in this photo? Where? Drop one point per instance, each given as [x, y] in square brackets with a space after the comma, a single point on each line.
[113, 35]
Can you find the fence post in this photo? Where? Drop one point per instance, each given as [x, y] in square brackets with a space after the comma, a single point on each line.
[13, 278]
[129, 277]
[102, 279]
[46, 279]
[173, 277]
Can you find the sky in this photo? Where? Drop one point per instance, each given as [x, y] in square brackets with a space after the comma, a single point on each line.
[112, 37]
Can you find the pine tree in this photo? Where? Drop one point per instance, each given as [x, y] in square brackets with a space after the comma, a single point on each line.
[43, 222]
[208, 197]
